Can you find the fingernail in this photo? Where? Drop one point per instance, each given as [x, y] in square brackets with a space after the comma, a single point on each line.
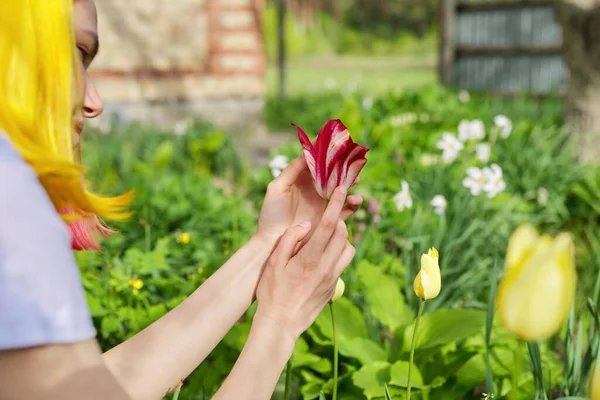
[304, 224]
[343, 190]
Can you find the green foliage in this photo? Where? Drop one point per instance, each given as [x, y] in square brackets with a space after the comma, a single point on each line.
[197, 184]
[325, 34]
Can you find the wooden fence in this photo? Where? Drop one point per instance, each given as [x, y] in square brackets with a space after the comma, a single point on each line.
[502, 46]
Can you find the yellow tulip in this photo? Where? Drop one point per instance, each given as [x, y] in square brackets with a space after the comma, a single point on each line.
[595, 383]
[538, 288]
[428, 282]
[339, 290]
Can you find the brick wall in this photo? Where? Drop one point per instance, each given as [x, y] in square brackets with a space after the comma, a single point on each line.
[164, 60]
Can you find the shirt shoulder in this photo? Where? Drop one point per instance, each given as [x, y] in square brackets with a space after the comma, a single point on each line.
[41, 295]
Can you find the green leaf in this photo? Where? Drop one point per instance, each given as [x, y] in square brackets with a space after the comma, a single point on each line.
[236, 337]
[96, 309]
[572, 398]
[319, 338]
[371, 378]
[445, 326]
[164, 154]
[437, 382]
[364, 350]
[310, 377]
[301, 346]
[383, 295]
[319, 364]
[349, 321]
[473, 372]
[388, 396]
[156, 311]
[110, 325]
[489, 322]
[311, 390]
[214, 142]
[399, 375]
[321, 395]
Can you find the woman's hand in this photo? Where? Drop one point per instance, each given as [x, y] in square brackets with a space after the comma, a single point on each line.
[295, 287]
[291, 199]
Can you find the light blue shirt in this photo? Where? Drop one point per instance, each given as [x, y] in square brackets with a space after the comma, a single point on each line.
[42, 300]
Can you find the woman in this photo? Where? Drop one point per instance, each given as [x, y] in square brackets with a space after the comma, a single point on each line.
[47, 345]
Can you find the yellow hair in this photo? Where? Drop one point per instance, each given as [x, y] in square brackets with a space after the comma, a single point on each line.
[37, 89]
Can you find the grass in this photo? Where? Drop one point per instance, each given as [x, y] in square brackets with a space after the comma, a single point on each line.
[369, 75]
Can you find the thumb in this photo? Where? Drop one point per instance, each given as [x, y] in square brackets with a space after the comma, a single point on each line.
[287, 244]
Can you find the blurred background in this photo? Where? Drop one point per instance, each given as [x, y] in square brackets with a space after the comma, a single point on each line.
[199, 96]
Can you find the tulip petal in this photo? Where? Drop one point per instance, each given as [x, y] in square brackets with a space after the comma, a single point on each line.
[534, 299]
[433, 253]
[332, 141]
[520, 245]
[309, 152]
[418, 286]
[353, 164]
[339, 290]
[334, 159]
[430, 276]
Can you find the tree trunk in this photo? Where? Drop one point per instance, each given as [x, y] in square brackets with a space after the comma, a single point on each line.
[581, 37]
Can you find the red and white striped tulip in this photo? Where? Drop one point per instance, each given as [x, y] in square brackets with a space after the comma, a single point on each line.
[334, 159]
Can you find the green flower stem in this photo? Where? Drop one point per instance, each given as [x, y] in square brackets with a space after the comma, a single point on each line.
[177, 391]
[412, 347]
[514, 392]
[335, 354]
[288, 380]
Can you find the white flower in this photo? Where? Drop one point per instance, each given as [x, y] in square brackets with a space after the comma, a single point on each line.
[402, 198]
[505, 125]
[278, 164]
[475, 180]
[367, 103]
[488, 180]
[439, 204]
[542, 196]
[471, 130]
[482, 152]
[494, 183]
[464, 96]
[450, 146]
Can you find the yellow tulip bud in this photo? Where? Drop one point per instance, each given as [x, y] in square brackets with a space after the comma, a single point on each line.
[538, 288]
[595, 383]
[428, 282]
[339, 290]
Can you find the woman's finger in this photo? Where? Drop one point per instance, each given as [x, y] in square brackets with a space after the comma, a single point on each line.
[329, 221]
[344, 260]
[353, 203]
[291, 173]
[336, 245]
[287, 245]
